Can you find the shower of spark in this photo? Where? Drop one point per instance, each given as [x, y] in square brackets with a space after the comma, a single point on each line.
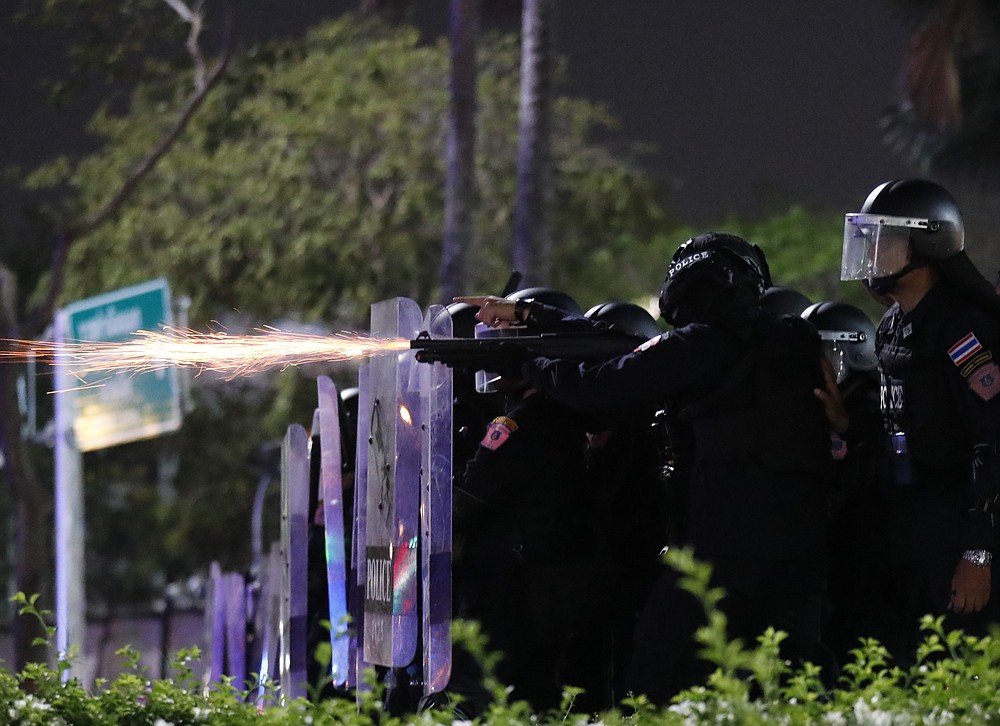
[219, 352]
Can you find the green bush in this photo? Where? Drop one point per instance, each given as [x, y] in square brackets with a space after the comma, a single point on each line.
[955, 680]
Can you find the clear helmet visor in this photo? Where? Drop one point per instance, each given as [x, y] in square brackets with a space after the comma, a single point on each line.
[486, 381]
[876, 245]
[837, 348]
[835, 352]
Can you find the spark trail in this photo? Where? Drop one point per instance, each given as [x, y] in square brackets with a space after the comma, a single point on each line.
[229, 355]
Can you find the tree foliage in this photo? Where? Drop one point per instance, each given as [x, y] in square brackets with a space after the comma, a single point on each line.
[111, 44]
[312, 183]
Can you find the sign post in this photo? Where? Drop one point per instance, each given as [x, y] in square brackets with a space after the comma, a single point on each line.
[116, 409]
[94, 411]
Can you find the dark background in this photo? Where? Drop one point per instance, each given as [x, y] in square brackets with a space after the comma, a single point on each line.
[751, 104]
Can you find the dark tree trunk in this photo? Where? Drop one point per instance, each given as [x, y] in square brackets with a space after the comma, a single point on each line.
[461, 150]
[31, 503]
[530, 253]
[393, 9]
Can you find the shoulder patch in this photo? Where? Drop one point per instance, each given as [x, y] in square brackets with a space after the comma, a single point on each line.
[498, 432]
[964, 349]
[985, 381]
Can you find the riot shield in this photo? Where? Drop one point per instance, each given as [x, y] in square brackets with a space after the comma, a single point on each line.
[435, 387]
[215, 625]
[294, 531]
[356, 589]
[270, 598]
[236, 627]
[393, 493]
[332, 493]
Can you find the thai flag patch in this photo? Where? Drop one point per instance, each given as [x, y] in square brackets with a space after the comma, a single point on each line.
[964, 349]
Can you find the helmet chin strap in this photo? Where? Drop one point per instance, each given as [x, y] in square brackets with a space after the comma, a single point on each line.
[885, 285]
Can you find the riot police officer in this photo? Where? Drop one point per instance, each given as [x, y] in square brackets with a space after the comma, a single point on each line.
[529, 563]
[625, 470]
[859, 586]
[760, 466]
[941, 412]
[471, 411]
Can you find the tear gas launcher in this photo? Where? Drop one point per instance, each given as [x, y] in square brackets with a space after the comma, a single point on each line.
[507, 348]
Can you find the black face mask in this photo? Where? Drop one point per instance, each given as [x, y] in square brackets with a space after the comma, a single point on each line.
[885, 285]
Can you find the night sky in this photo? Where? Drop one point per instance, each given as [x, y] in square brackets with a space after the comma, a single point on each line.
[751, 104]
[747, 101]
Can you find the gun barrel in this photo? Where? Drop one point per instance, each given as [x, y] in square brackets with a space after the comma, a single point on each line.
[465, 351]
[585, 347]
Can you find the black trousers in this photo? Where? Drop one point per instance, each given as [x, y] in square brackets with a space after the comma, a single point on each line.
[923, 587]
[788, 596]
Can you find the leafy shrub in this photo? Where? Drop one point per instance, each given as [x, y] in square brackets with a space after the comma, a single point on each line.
[955, 680]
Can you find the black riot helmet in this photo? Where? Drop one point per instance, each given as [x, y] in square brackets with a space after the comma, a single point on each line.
[778, 300]
[626, 317]
[548, 296]
[714, 276]
[906, 223]
[848, 336]
[492, 381]
[919, 199]
[903, 223]
[463, 319]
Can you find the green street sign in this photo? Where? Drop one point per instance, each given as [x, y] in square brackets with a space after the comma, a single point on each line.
[116, 408]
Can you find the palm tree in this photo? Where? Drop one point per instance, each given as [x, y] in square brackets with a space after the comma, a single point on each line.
[392, 9]
[461, 147]
[946, 119]
[530, 253]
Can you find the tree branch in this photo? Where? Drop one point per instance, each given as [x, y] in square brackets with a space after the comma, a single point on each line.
[8, 302]
[195, 19]
[42, 312]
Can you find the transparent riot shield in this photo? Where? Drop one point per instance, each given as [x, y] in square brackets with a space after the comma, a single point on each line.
[393, 496]
[435, 384]
[225, 626]
[356, 590]
[215, 625]
[270, 598]
[294, 548]
[236, 627]
[332, 493]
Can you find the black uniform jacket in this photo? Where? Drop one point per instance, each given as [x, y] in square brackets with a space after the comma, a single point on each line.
[522, 494]
[760, 477]
[940, 386]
